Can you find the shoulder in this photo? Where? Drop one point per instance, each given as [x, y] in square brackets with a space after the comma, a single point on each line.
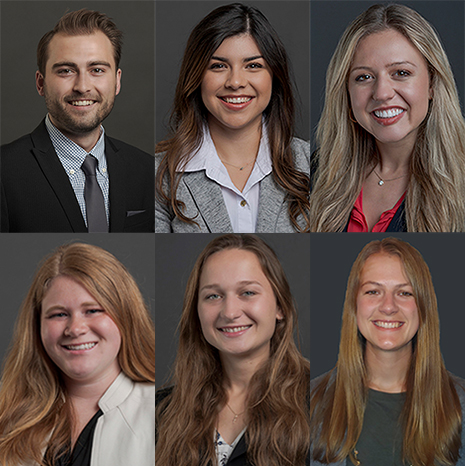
[301, 151]
[459, 384]
[120, 146]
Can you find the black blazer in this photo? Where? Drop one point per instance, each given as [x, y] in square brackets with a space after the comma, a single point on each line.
[239, 455]
[36, 195]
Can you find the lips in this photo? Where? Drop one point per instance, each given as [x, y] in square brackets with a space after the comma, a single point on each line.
[232, 330]
[236, 102]
[80, 346]
[388, 116]
[388, 324]
[81, 103]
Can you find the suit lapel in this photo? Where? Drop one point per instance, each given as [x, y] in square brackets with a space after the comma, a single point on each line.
[209, 201]
[56, 176]
[270, 205]
[240, 450]
[116, 172]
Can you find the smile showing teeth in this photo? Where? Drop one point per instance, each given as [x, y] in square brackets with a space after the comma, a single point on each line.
[392, 112]
[380, 323]
[234, 329]
[84, 346]
[81, 103]
[236, 100]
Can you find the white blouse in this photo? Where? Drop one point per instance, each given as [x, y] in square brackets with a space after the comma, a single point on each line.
[223, 449]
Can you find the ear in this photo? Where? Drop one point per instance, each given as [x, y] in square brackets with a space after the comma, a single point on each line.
[118, 81]
[279, 314]
[40, 83]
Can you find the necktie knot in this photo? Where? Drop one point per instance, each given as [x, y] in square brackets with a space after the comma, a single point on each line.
[89, 167]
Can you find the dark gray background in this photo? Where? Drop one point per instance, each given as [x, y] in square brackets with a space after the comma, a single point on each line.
[330, 18]
[20, 254]
[23, 23]
[175, 21]
[175, 257]
[332, 257]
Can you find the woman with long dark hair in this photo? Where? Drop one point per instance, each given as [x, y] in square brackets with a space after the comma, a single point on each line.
[240, 387]
[389, 400]
[232, 162]
[78, 384]
[391, 138]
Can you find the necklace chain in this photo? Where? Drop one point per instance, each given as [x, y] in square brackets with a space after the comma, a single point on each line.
[382, 181]
[235, 166]
[236, 415]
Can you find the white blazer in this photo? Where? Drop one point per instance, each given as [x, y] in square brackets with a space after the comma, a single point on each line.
[125, 434]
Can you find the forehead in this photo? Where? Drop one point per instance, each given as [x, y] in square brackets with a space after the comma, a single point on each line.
[386, 47]
[242, 45]
[80, 49]
[64, 289]
[382, 267]
[232, 265]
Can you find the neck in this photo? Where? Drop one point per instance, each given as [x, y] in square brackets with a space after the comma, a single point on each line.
[387, 370]
[234, 146]
[395, 157]
[89, 392]
[85, 140]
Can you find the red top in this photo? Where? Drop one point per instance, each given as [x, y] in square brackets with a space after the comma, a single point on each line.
[358, 222]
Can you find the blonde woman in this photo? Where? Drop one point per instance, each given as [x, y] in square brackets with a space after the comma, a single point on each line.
[390, 400]
[78, 384]
[240, 389]
[391, 138]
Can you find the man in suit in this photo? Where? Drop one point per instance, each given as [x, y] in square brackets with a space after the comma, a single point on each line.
[68, 175]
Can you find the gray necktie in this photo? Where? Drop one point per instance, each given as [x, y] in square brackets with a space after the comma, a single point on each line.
[95, 205]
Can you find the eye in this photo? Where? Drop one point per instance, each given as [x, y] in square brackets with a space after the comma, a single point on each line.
[402, 73]
[249, 293]
[98, 70]
[406, 293]
[362, 77]
[57, 315]
[212, 297]
[94, 311]
[64, 71]
[254, 66]
[371, 292]
[217, 66]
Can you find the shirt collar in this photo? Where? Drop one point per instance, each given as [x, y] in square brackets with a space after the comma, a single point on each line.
[73, 154]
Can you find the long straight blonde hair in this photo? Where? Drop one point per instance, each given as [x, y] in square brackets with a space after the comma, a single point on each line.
[435, 199]
[277, 404]
[431, 416]
[34, 410]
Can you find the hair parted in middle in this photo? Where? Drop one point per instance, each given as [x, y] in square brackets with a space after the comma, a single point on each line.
[81, 22]
[189, 114]
[431, 417]
[277, 402]
[435, 199]
[33, 398]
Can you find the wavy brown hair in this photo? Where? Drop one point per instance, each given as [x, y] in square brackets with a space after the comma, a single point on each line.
[435, 199]
[431, 416]
[34, 410]
[189, 114]
[277, 405]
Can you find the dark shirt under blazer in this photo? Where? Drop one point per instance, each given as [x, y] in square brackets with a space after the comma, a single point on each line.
[36, 195]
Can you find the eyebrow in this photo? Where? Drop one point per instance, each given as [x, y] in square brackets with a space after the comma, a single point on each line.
[59, 307]
[74, 65]
[369, 282]
[397, 63]
[242, 282]
[245, 60]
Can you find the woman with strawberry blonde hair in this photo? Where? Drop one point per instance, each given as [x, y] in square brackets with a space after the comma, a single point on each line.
[78, 384]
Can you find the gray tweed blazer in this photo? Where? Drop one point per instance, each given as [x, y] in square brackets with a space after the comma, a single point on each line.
[459, 386]
[204, 202]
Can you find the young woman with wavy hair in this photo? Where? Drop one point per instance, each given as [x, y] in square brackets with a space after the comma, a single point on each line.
[232, 162]
[390, 399]
[78, 383]
[391, 138]
[238, 377]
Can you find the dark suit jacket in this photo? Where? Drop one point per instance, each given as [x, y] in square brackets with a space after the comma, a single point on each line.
[36, 195]
[239, 455]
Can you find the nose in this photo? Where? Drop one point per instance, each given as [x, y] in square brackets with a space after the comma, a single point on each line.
[81, 83]
[76, 326]
[236, 79]
[388, 304]
[232, 308]
[383, 88]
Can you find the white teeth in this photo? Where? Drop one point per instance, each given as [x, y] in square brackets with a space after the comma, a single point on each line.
[392, 112]
[81, 347]
[234, 329]
[382, 324]
[236, 100]
[81, 103]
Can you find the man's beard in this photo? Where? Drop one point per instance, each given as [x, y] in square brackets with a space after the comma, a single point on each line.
[76, 124]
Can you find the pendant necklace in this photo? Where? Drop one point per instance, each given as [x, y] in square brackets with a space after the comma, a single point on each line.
[236, 415]
[381, 181]
[235, 166]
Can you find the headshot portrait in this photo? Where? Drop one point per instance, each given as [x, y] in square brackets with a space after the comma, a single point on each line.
[232, 117]
[390, 349]
[78, 350]
[74, 68]
[232, 346]
[387, 117]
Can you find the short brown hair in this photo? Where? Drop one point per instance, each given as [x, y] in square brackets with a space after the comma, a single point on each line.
[81, 22]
